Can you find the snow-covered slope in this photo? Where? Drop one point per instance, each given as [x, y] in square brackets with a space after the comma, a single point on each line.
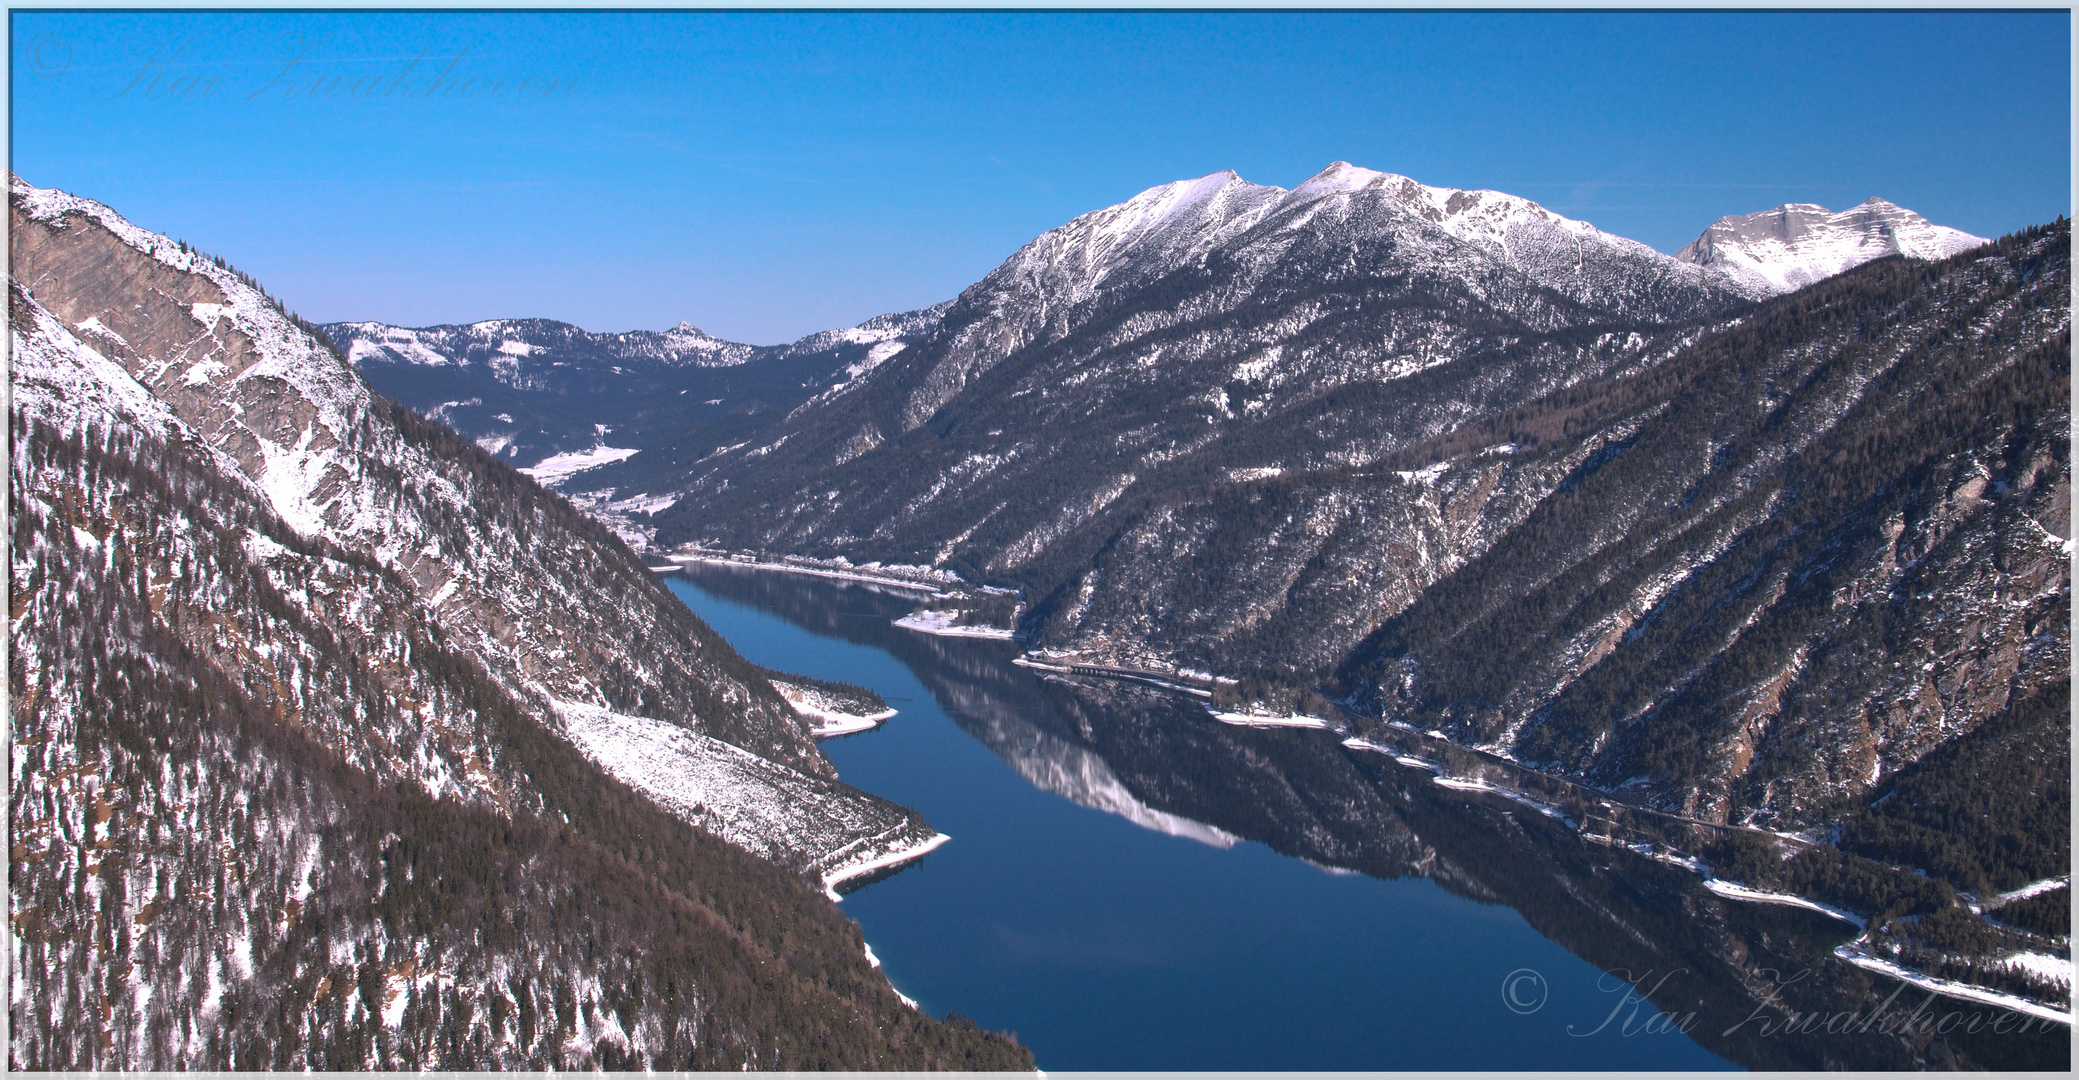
[1175, 224]
[1792, 246]
[740, 796]
[1205, 325]
[1511, 229]
[225, 575]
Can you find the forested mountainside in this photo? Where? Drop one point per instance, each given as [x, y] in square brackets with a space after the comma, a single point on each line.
[326, 745]
[1345, 448]
[1822, 542]
[532, 389]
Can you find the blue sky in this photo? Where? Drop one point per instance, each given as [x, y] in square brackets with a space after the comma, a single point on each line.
[766, 176]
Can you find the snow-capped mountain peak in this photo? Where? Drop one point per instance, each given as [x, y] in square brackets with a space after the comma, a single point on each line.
[1169, 224]
[1343, 220]
[1149, 209]
[1480, 217]
[1340, 176]
[1180, 222]
[1786, 248]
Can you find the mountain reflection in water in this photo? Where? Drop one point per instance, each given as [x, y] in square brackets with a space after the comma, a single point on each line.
[1732, 975]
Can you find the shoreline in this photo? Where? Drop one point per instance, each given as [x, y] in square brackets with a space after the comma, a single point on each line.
[1099, 671]
[833, 878]
[875, 963]
[905, 584]
[1952, 989]
[1455, 784]
[1735, 891]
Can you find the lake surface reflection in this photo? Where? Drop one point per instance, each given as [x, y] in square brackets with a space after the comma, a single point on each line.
[1133, 885]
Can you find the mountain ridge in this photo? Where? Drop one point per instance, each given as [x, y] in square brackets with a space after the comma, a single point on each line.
[1170, 226]
[305, 429]
[1221, 469]
[260, 609]
[530, 389]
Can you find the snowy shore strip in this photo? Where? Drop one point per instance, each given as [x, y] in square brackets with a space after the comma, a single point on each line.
[1456, 783]
[1727, 889]
[839, 875]
[752, 802]
[1100, 671]
[1671, 857]
[1732, 891]
[940, 623]
[875, 962]
[1949, 988]
[831, 725]
[1547, 809]
[815, 571]
[1358, 742]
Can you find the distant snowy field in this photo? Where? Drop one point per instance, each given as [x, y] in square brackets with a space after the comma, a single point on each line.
[551, 471]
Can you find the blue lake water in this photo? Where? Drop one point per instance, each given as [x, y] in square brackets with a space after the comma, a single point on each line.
[1108, 945]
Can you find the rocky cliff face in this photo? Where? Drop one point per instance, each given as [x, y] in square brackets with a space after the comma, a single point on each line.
[1785, 249]
[323, 722]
